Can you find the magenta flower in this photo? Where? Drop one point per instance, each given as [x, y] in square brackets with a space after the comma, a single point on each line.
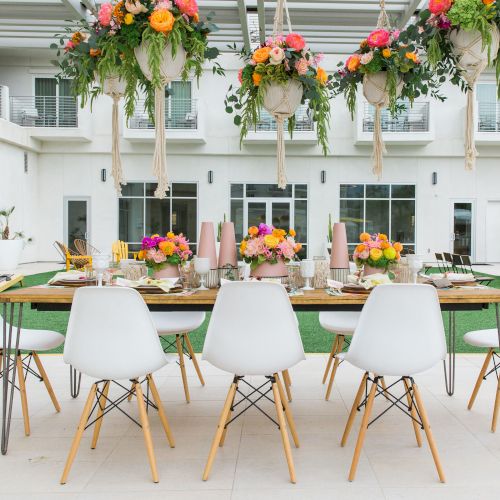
[265, 229]
[443, 22]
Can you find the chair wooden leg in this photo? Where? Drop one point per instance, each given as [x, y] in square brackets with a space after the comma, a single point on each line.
[183, 367]
[24, 397]
[100, 411]
[161, 411]
[284, 433]
[132, 392]
[340, 346]
[413, 413]
[428, 433]
[220, 429]
[496, 409]
[288, 412]
[354, 410]
[79, 433]
[362, 431]
[330, 358]
[148, 440]
[46, 381]
[193, 358]
[480, 378]
[229, 416]
[288, 383]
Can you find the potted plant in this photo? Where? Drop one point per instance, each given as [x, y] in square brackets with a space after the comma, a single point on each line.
[11, 244]
[461, 38]
[280, 75]
[375, 253]
[268, 249]
[164, 255]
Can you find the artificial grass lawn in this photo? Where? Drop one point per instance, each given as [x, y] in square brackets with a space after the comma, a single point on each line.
[315, 339]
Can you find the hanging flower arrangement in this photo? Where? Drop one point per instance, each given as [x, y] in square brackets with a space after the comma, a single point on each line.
[461, 38]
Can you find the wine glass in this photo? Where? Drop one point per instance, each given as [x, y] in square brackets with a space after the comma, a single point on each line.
[100, 262]
[415, 264]
[307, 272]
[202, 267]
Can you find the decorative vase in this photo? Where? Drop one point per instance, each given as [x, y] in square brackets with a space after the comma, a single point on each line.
[367, 270]
[268, 270]
[10, 255]
[168, 271]
[227, 246]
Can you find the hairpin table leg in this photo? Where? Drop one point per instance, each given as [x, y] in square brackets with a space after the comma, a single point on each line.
[75, 379]
[449, 372]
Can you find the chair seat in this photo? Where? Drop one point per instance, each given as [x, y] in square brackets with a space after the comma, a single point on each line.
[171, 323]
[482, 338]
[37, 340]
[343, 322]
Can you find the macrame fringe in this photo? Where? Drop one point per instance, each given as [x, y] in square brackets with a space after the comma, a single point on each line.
[378, 143]
[470, 142]
[280, 152]
[116, 162]
[160, 155]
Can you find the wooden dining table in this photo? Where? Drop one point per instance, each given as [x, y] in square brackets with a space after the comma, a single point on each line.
[44, 298]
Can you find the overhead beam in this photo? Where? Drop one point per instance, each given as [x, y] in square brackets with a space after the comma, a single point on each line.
[262, 20]
[409, 11]
[242, 11]
[76, 7]
[90, 5]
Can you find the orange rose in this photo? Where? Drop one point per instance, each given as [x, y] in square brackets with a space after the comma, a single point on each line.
[321, 76]
[196, 17]
[292, 233]
[141, 254]
[253, 231]
[297, 248]
[94, 52]
[167, 247]
[398, 247]
[361, 248]
[162, 20]
[382, 237]
[353, 62]
[261, 55]
[488, 2]
[364, 237]
[384, 245]
[279, 233]
[256, 78]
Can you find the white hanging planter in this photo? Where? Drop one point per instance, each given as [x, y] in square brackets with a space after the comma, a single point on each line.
[114, 85]
[170, 67]
[375, 88]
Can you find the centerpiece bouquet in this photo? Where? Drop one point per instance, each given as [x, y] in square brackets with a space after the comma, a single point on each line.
[376, 252]
[164, 254]
[267, 249]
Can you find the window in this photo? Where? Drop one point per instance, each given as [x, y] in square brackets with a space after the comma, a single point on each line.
[286, 208]
[412, 118]
[55, 105]
[379, 208]
[140, 213]
[488, 108]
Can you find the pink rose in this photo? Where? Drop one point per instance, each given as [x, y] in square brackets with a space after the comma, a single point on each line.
[69, 46]
[276, 56]
[240, 75]
[366, 58]
[295, 41]
[318, 59]
[364, 254]
[379, 38]
[105, 13]
[135, 7]
[301, 66]
[189, 7]
[395, 34]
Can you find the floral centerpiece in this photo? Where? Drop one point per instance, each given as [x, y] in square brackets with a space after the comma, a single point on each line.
[165, 254]
[267, 249]
[376, 252]
[280, 75]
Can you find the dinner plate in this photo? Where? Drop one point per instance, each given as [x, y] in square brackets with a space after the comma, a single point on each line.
[355, 289]
[74, 283]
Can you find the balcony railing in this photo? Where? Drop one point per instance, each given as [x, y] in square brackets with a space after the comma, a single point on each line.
[488, 117]
[44, 111]
[411, 119]
[303, 121]
[180, 114]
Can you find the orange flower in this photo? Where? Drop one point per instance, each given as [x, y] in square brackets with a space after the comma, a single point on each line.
[353, 62]
[364, 43]
[398, 247]
[412, 56]
[253, 231]
[118, 12]
[297, 248]
[183, 247]
[292, 233]
[361, 248]
[386, 53]
[162, 20]
[279, 233]
[261, 55]
[95, 52]
[488, 2]
[382, 237]
[141, 254]
[321, 76]
[243, 247]
[170, 235]
[364, 237]
[167, 247]
[256, 79]
[384, 245]
[76, 38]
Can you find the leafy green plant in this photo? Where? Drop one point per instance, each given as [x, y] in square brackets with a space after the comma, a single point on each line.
[5, 233]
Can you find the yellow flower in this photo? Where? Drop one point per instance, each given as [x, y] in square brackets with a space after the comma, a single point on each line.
[376, 254]
[386, 53]
[243, 247]
[155, 236]
[271, 241]
[167, 247]
[390, 253]
[321, 76]
[170, 235]
[292, 233]
[279, 233]
[412, 56]
[141, 254]
[129, 18]
[256, 79]
[162, 20]
[261, 55]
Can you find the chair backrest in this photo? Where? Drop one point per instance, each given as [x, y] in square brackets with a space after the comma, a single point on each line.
[63, 248]
[119, 250]
[253, 330]
[457, 262]
[439, 260]
[400, 331]
[447, 257]
[467, 263]
[111, 334]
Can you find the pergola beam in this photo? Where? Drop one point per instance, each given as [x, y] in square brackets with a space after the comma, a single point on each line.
[77, 7]
[262, 20]
[409, 11]
[242, 11]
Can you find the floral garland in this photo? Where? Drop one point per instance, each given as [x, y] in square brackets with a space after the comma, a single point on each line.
[281, 59]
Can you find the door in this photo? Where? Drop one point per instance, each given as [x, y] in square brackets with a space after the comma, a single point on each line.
[492, 230]
[462, 227]
[76, 220]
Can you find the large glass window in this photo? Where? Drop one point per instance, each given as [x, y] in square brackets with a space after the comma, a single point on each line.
[379, 208]
[488, 108]
[252, 204]
[140, 213]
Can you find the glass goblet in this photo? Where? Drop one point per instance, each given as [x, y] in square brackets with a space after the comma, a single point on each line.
[100, 263]
[202, 267]
[307, 272]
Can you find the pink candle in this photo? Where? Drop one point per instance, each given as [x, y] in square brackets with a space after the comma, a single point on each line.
[339, 258]
[227, 250]
[206, 243]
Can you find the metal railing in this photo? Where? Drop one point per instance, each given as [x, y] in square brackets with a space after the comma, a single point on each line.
[180, 114]
[4, 102]
[411, 119]
[488, 114]
[44, 111]
[303, 121]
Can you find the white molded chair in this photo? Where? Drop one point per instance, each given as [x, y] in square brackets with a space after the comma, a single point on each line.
[111, 336]
[180, 324]
[491, 340]
[32, 341]
[253, 331]
[400, 333]
[342, 324]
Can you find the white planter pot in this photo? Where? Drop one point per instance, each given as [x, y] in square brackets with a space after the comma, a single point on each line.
[375, 88]
[113, 85]
[170, 67]
[283, 99]
[10, 255]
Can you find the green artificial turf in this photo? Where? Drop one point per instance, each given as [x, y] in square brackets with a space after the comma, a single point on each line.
[315, 339]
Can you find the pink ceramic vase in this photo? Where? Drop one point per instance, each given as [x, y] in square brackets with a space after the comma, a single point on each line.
[339, 258]
[206, 243]
[367, 270]
[227, 250]
[268, 270]
[168, 271]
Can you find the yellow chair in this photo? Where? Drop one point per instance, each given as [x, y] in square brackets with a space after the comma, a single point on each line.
[72, 258]
[119, 250]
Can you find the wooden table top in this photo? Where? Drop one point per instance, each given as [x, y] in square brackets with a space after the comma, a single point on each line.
[41, 295]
